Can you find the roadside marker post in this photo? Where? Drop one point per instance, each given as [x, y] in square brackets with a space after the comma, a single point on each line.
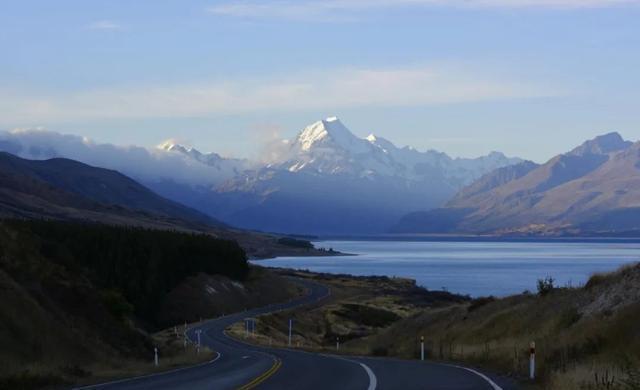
[198, 332]
[290, 326]
[421, 347]
[532, 360]
[155, 359]
[337, 343]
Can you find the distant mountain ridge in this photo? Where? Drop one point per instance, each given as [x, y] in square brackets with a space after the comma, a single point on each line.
[594, 188]
[66, 189]
[325, 180]
[328, 181]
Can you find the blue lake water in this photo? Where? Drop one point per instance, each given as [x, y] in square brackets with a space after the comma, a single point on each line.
[474, 268]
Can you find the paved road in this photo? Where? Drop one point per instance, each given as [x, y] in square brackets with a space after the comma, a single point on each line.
[242, 366]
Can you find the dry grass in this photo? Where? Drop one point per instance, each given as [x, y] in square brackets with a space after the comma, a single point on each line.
[172, 354]
[587, 338]
[358, 308]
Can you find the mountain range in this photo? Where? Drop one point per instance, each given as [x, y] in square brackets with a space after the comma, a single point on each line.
[69, 190]
[326, 180]
[592, 189]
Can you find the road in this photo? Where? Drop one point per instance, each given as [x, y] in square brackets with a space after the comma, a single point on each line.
[242, 366]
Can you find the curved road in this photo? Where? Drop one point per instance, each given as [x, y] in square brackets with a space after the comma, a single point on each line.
[243, 366]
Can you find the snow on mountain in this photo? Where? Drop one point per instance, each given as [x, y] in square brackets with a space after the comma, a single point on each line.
[326, 180]
[328, 147]
[226, 167]
[330, 181]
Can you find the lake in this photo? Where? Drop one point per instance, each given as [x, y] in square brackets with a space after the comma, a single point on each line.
[474, 268]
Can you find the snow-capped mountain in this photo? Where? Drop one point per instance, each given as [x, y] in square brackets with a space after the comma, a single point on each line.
[227, 167]
[330, 181]
[328, 147]
[326, 181]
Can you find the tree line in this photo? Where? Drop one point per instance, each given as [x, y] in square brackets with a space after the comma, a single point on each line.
[135, 267]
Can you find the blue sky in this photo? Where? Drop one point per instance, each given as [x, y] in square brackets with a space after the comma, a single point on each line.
[529, 78]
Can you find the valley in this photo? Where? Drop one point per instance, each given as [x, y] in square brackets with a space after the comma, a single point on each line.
[320, 195]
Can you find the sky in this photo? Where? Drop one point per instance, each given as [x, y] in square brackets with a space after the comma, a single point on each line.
[530, 78]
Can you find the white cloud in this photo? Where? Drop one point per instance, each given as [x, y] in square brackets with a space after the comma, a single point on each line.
[137, 162]
[328, 90]
[104, 25]
[338, 10]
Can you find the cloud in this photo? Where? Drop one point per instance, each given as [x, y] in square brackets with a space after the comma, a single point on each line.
[327, 90]
[104, 25]
[138, 162]
[338, 10]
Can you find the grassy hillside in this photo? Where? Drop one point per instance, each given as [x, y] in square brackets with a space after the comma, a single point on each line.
[583, 335]
[587, 338]
[357, 308]
[66, 189]
[80, 301]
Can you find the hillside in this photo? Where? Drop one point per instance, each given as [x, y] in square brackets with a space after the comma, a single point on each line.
[79, 301]
[66, 189]
[62, 189]
[593, 189]
[586, 337]
[583, 335]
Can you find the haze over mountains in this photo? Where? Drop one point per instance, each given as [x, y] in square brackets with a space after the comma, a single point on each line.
[592, 189]
[328, 181]
[324, 181]
[69, 190]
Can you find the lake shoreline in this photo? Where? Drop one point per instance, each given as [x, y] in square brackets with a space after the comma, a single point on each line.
[470, 268]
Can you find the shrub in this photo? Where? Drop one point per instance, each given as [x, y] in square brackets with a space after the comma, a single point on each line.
[546, 285]
[368, 315]
[117, 304]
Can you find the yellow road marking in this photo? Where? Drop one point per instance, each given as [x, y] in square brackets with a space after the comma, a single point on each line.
[263, 377]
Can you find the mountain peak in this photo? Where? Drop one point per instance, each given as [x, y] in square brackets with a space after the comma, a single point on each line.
[602, 144]
[326, 131]
[171, 145]
[208, 159]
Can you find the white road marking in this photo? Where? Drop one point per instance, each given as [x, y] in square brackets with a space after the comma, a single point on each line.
[481, 375]
[373, 381]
